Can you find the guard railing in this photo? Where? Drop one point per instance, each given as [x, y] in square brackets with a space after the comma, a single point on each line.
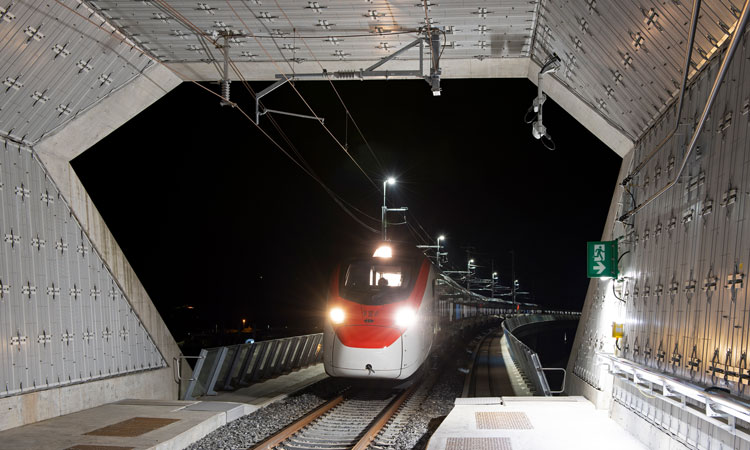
[527, 359]
[234, 366]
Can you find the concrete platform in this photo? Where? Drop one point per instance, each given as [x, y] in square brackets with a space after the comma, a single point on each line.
[529, 423]
[153, 424]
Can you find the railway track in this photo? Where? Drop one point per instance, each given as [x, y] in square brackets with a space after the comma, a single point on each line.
[350, 421]
[489, 376]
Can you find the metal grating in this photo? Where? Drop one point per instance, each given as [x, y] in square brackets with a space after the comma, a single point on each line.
[97, 447]
[132, 427]
[472, 443]
[494, 420]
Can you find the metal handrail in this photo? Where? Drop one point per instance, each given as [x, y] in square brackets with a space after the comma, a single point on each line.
[230, 367]
[528, 359]
[177, 371]
[716, 404]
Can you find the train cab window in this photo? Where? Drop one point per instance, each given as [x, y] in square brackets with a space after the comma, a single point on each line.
[372, 283]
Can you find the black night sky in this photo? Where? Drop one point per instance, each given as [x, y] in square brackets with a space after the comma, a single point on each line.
[211, 214]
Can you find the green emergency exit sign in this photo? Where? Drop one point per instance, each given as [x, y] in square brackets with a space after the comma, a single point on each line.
[602, 259]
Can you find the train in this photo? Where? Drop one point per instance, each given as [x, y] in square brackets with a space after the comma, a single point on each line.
[387, 310]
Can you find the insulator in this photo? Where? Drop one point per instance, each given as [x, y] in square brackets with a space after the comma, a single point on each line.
[225, 84]
[345, 74]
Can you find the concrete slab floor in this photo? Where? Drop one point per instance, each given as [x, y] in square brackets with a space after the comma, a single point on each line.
[532, 423]
[70, 430]
[196, 418]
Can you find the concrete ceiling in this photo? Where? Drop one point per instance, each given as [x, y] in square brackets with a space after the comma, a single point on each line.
[621, 60]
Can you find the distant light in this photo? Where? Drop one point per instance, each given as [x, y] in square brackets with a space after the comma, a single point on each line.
[405, 317]
[441, 238]
[384, 251]
[337, 315]
[391, 180]
[471, 261]
[494, 274]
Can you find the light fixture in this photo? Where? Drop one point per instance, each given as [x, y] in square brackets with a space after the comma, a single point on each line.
[391, 180]
[337, 315]
[384, 251]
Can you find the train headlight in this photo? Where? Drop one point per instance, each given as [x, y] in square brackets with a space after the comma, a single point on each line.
[337, 315]
[405, 317]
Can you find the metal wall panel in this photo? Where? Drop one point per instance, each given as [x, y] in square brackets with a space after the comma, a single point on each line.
[626, 58]
[58, 59]
[63, 319]
[683, 286]
[332, 31]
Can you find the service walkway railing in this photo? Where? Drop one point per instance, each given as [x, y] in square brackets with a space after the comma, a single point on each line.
[527, 359]
[231, 367]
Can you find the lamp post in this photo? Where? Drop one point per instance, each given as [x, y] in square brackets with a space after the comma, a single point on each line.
[513, 275]
[384, 209]
[440, 238]
[438, 254]
[469, 265]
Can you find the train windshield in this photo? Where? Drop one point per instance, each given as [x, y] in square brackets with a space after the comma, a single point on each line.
[374, 283]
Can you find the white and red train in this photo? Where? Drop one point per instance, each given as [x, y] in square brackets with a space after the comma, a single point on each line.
[386, 310]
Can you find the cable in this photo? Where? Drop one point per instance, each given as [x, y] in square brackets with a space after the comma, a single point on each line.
[302, 162]
[333, 195]
[187, 22]
[354, 122]
[297, 91]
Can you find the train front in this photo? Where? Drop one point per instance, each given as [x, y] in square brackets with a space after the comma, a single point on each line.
[378, 323]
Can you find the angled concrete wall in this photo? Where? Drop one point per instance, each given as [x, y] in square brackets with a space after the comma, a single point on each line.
[53, 155]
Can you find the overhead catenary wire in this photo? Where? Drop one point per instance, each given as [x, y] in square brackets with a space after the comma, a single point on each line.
[346, 206]
[302, 165]
[341, 100]
[423, 238]
[126, 41]
[198, 31]
[298, 93]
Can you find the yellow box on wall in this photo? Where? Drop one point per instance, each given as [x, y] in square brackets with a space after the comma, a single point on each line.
[617, 330]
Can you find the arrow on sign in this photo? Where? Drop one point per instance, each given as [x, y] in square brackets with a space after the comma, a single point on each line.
[599, 268]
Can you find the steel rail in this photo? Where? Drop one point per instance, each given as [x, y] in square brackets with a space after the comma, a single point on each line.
[372, 431]
[289, 431]
[368, 434]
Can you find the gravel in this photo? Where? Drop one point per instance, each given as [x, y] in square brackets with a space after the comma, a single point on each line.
[432, 411]
[258, 425]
